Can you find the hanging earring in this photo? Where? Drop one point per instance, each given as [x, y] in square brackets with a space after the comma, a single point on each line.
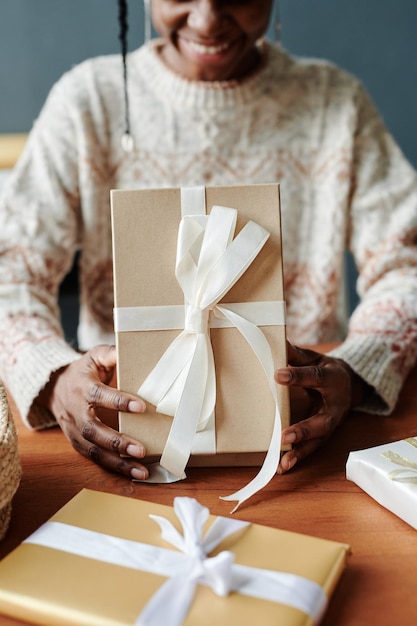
[147, 20]
[277, 23]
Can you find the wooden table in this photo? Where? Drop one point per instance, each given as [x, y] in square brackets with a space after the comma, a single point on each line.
[379, 585]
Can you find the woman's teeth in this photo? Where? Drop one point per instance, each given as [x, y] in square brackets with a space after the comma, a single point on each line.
[201, 49]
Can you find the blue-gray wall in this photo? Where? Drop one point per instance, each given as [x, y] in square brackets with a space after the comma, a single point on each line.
[374, 39]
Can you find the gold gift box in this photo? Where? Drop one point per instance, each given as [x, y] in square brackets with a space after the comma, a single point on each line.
[51, 587]
[145, 229]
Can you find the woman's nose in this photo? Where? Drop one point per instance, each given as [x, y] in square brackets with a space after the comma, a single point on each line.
[207, 17]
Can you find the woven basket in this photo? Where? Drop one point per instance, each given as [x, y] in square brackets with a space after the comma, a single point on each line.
[9, 462]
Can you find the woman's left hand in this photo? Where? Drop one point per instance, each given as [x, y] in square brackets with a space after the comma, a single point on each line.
[334, 389]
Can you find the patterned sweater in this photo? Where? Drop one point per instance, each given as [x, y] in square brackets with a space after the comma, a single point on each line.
[304, 123]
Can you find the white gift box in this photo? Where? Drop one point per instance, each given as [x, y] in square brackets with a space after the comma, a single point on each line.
[388, 473]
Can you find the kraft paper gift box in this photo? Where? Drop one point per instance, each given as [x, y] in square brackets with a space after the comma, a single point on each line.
[146, 256]
[103, 560]
[388, 473]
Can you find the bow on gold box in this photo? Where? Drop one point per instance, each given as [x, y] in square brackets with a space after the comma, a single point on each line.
[108, 560]
[388, 473]
[200, 324]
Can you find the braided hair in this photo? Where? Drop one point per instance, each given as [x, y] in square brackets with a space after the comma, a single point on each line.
[127, 140]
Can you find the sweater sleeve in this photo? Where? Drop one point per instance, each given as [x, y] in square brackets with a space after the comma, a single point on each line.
[381, 345]
[39, 234]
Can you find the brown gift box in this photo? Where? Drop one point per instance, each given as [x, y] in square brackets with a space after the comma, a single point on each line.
[53, 587]
[145, 228]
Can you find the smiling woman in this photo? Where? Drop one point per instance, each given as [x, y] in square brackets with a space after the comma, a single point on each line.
[212, 102]
[209, 40]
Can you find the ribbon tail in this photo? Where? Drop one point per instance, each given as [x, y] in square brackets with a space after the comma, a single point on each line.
[290, 589]
[170, 604]
[180, 439]
[259, 344]
[160, 386]
[267, 471]
[158, 475]
[404, 476]
[222, 528]
[209, 402]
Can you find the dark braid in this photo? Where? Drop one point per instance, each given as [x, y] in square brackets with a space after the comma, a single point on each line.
[123, 28]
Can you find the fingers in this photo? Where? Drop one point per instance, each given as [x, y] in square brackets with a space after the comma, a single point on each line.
[314, 371]
[101, 361]
[110, 449]
[290, 458]
[77, 393]
[300, 356]
[306, 368]
[100, 395]
[103, 356]
[331, 389]
[319, 426]
[98, 368]
[308, 376]
[306, 436]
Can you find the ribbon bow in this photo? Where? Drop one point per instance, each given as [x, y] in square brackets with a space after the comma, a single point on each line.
[175, 596]
[182, 384]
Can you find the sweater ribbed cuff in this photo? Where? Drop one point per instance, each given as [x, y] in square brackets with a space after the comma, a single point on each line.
[374, 362]
[34, 366]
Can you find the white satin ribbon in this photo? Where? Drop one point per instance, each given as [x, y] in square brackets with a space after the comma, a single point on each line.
[171, 316]
[188, 567]
[183, 384]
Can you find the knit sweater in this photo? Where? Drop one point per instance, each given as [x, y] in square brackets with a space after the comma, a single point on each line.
[304, 123]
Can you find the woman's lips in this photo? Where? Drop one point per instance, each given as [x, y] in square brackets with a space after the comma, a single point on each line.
[207, 52]
[207, 49]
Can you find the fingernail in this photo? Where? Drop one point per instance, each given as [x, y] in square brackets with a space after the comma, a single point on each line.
[289, 438]
[284, 376]
[139, 474]
[135, 450]
[292, 462]
[136, 406]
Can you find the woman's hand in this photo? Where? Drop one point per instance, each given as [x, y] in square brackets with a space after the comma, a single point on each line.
[75, 395]
[333, 389]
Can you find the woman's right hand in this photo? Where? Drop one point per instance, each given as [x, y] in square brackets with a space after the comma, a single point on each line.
[76, 393]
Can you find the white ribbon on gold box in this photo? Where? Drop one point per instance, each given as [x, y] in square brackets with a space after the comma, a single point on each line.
[388, 473]
[103, 560]
[194, 279]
